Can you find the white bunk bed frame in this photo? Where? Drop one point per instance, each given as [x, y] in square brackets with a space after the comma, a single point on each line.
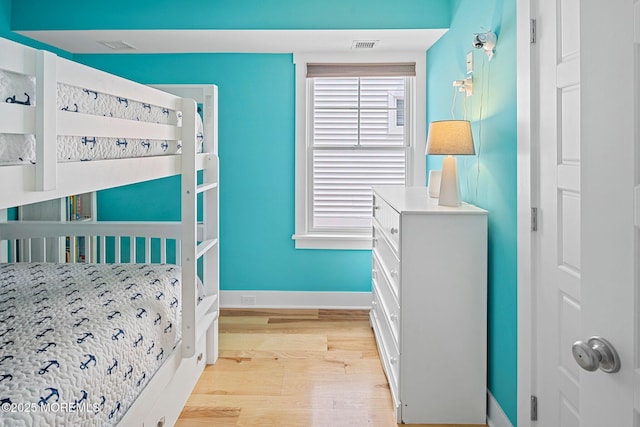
[165, 395]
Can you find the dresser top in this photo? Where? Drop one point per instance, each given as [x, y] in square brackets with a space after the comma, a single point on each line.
[416, 199]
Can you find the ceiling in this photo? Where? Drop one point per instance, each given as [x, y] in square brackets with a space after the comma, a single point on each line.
[241, 41]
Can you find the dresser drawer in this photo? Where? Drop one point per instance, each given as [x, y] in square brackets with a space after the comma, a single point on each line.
[388, 298]
[387, 258]
[389, 354]
[388, 218]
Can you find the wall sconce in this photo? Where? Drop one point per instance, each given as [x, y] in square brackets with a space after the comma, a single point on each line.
[486, 41]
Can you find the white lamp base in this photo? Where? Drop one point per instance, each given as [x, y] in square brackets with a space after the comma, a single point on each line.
[449, 183]
[434, 184]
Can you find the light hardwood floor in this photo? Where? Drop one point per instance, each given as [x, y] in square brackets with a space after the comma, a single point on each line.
[297, 368]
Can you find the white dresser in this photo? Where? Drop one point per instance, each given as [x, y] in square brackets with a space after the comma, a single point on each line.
[429, 308]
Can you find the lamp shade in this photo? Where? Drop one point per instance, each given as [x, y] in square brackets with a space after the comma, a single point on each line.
[450, 137]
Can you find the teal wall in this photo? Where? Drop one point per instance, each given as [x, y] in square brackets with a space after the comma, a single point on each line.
[257, 135]
[496, 181]
[227, 14]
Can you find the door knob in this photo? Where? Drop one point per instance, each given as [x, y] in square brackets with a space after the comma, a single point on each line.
[596, 353]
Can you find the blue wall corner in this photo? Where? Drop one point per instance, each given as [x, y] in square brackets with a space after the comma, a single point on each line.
[488, 179]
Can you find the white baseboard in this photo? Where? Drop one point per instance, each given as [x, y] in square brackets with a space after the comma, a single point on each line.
[295, 299]
[495, 415]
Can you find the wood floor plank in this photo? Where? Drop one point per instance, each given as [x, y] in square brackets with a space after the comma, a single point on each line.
[193, 412]
[298, 368]
[346, 328]
[365, 344]
[243, 321]
[234, 376]
[271, 354]
[324, 314]
[279, 342]
[271, 313]
[307, 417]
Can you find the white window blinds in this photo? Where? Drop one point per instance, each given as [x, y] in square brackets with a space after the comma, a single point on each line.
[358, 140]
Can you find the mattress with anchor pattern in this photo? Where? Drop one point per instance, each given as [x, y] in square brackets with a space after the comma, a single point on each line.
[79, 342]
[17, 148]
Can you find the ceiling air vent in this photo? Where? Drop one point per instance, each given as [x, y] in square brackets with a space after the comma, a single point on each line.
[118, 45]
[364, 44]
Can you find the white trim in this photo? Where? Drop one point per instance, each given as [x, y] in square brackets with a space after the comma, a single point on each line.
[416, 165]
[297, 299]
[323, 241]
[525, 56]
[495, 415]
[239, 41]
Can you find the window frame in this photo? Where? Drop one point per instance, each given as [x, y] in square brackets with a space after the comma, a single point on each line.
[305, 237]
[393, 114]
[353, 149]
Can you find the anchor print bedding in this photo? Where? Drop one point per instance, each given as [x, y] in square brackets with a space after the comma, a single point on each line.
[16, 149]
[87, 337]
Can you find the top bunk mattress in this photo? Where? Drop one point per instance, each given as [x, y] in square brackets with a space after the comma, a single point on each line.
[21, 149]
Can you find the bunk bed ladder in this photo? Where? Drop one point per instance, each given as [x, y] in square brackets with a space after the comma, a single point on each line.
[200, 241]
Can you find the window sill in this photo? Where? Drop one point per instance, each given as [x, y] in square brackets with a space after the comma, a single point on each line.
[332, 241]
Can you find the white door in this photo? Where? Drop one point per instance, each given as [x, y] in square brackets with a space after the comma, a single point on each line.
[584, 119]
[558, 251]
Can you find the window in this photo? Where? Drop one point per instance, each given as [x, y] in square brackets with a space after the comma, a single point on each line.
[357, 142]
[355, 130]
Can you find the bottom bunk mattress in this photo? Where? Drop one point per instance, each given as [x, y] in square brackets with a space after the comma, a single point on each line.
[79, 342]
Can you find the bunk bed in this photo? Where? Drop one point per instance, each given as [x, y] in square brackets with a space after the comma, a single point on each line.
[57, 320]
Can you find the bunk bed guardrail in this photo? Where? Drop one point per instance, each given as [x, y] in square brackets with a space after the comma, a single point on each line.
[120, 243]
[48, 178]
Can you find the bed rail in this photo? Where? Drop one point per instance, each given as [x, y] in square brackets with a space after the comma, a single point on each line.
[46, 122]
[18, 181]
[121, 242]
[103, 241]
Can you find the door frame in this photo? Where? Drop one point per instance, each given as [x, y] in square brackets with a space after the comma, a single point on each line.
[527, 193]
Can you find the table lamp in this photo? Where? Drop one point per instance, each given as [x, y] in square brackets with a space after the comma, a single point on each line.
[450, 137]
